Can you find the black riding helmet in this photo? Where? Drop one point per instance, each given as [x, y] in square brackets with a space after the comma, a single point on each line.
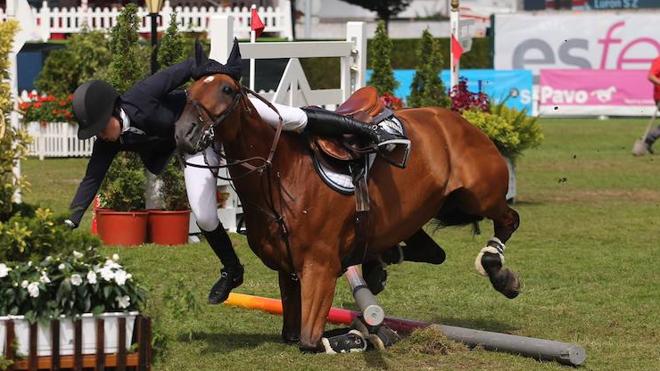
[93, 104]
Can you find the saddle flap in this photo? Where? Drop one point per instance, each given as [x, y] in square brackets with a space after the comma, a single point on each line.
[334, 148]
[364, 99]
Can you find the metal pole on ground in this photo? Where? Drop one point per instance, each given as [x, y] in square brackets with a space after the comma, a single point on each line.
[547, 350]
[372, 313]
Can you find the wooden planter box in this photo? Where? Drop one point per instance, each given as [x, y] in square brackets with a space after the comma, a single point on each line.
[87, 342]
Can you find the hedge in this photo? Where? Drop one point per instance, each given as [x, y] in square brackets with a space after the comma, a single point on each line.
[403, 57]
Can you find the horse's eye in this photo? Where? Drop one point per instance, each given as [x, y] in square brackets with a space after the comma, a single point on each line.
[227, 90]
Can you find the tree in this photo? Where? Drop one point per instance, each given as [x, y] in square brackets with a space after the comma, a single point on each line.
[128, 63]
[386, 9]
[383, 75]
[123, 187]
[13, 141]
[427, 87]
[85, 56]
[173, 186]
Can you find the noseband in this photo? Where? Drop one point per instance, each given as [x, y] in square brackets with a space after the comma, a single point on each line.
[210, 123]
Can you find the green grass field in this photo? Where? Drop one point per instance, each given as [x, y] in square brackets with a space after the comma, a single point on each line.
[587, 250]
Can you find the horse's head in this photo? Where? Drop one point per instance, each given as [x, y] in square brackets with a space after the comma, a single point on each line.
[211, 103]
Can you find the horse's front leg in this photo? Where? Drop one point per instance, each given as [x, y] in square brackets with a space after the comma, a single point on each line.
[318, 281]
[290, 294]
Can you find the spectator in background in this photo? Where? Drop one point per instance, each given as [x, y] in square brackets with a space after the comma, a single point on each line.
[654, 77]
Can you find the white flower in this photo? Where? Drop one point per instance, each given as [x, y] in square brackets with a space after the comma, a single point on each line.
[115, 257]
[109, 263]
[129, 276]
[91, 277]
[24, 284]
[77, 254]
[107, 273]
[61, 267]
[44, 278]
[120, 277]
[4, 270]
[124, 301]
[33, 289]
[49, 258]
[29, 264]
[76, 280]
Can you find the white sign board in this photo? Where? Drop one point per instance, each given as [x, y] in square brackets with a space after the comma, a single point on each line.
[598, 40]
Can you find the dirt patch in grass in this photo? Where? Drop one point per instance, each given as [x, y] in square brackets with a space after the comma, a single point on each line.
[429, 341]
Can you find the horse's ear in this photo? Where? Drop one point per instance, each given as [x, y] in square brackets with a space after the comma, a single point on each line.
[234, 55]
[200, 55]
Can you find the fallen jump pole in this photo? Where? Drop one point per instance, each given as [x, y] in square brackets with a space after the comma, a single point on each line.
[546, 350]
[372, 313]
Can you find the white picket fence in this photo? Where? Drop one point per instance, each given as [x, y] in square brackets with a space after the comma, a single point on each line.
[71, 20]
[57, 139]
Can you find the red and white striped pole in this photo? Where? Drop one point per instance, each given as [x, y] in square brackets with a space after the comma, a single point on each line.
[97, 204]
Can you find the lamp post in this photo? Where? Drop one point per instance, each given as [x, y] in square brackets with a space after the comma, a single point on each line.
[154, 7]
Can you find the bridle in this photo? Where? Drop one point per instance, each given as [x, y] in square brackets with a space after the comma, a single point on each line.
[210, 123]
[207, 139]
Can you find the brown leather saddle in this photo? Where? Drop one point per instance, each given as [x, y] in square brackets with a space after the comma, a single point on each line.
[339, 155]
[363, 105]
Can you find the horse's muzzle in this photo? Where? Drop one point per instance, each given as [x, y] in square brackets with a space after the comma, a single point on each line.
[186, 137]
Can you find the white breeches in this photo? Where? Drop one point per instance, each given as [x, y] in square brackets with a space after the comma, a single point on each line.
[294, 118]
[201, 185]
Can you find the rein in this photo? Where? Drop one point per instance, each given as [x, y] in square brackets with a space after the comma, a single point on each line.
[208, 139]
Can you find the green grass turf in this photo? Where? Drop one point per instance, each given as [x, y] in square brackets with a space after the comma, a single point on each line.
[587, 251]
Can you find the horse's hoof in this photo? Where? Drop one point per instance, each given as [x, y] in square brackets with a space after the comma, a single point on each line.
[507, 282]
[309, 348]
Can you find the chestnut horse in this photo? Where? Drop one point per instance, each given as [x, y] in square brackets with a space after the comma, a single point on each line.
[301, 228]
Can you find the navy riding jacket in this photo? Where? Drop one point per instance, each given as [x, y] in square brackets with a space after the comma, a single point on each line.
[153, 106]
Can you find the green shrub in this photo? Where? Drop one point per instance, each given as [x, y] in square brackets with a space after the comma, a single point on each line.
[123, 186]
[171, 49]
[427, 89]
[511, 131]
[85, 57]
[32, 234]
[173, 187]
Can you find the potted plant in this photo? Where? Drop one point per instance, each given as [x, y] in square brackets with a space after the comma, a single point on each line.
[511, 131]
[170, 226]
[121, 220]
[71, 287]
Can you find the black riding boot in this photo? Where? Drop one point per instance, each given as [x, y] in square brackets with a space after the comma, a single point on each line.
[329, 124]
[231, 275]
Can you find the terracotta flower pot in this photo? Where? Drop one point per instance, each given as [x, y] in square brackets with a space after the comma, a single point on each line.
[126, 228]
[169, 227]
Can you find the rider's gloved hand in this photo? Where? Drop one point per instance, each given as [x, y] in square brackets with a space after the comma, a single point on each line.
[69, 223]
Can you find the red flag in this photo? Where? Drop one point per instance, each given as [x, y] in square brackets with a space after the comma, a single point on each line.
[257, 25]
[456, 49]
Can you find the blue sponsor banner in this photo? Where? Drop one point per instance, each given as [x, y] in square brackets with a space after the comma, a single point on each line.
[498, 84]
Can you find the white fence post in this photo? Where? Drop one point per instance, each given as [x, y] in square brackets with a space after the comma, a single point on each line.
[286, 19]
[356, 33]
[221, 33]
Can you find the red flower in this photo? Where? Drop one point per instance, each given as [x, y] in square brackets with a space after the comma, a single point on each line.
[391, 102]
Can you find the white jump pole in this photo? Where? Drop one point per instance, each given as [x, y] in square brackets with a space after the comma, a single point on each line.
[454, 17]
[253, 39]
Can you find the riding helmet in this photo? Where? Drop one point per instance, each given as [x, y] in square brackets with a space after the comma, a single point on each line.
[93, 103]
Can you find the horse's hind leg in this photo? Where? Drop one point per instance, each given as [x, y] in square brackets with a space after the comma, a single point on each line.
[490, 260]
[290, 294]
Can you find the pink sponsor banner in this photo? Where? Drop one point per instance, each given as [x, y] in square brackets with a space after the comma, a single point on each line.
[595, 92]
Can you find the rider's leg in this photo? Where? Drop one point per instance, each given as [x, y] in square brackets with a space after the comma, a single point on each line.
[319, 121]
[201, 189]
